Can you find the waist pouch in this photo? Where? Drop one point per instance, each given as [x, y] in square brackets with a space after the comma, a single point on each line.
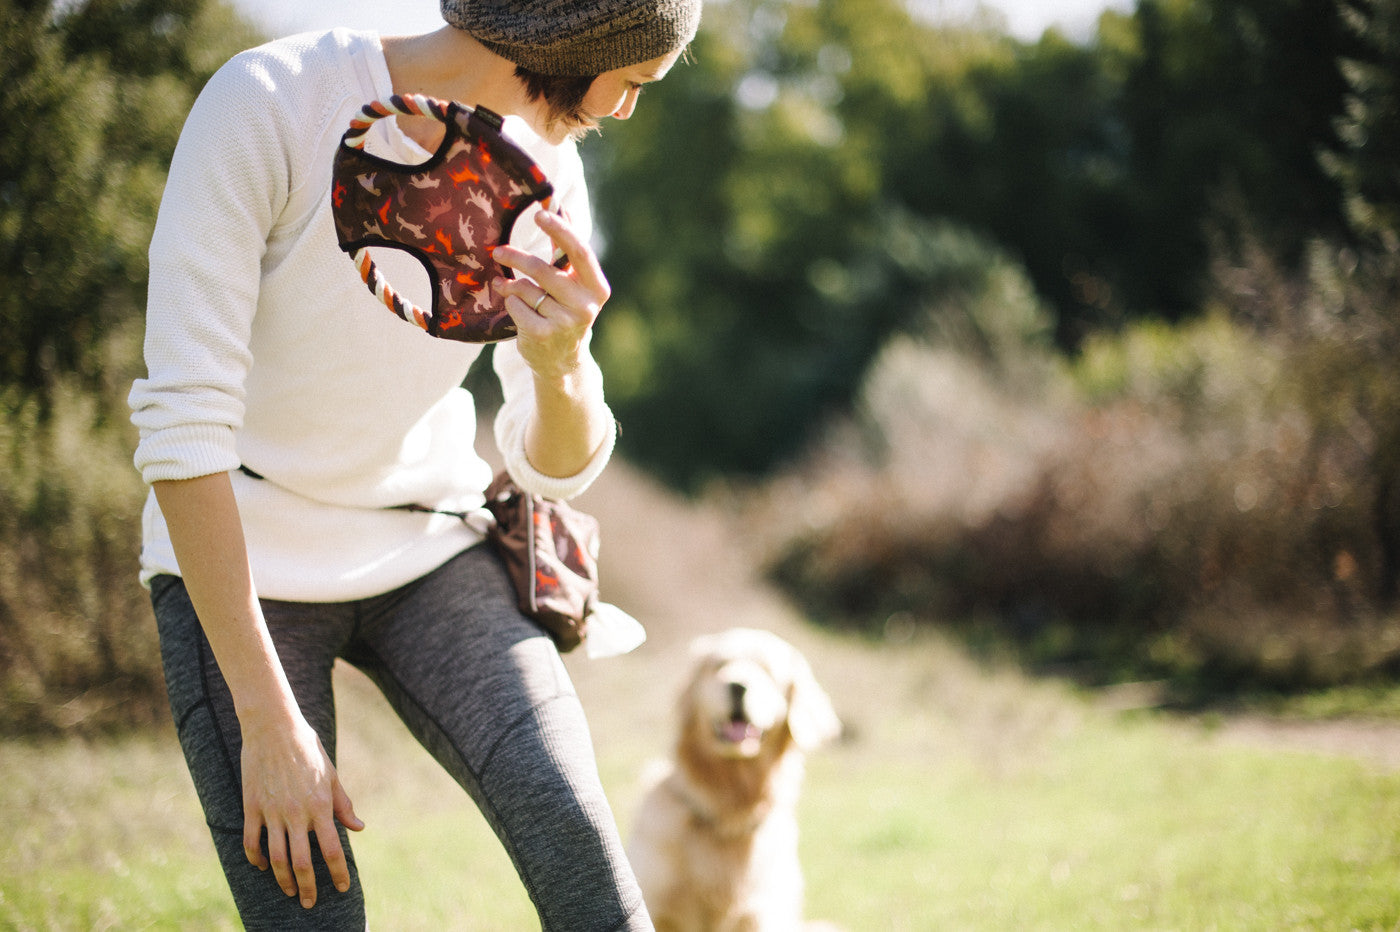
[550, 552]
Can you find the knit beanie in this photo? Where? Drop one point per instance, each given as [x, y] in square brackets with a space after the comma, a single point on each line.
[576, 38]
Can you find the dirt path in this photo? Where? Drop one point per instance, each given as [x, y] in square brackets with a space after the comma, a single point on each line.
[1376, 742]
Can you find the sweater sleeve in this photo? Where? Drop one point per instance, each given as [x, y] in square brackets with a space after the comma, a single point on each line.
[227, 184]
[517, 381]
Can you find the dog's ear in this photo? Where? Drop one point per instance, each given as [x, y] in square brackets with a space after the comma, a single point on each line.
[703, 646]
[811, 718]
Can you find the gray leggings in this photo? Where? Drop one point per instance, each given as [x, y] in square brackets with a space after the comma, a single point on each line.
[478, 684]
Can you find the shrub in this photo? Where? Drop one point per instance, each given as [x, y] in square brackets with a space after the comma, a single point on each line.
[78, 649]
[1215, 501]
[96, 92]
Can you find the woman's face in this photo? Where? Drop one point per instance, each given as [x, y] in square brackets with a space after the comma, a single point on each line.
[614, 93]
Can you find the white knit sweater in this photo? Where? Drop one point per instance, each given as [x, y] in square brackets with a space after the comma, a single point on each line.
[265, 349]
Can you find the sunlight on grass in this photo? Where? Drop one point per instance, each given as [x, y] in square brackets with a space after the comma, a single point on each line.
[1122, 825]
[105, 836]
[962, 798]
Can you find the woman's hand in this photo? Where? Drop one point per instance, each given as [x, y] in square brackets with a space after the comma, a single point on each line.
[289, 784]
[291, 788]
[554, 312]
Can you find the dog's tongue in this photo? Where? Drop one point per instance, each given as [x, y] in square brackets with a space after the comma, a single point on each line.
[736, 732]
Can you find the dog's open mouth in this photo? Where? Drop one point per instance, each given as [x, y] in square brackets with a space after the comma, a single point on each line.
[738, 732]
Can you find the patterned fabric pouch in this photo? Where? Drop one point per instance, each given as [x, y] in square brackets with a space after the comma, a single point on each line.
[449, 212]
[550, 550]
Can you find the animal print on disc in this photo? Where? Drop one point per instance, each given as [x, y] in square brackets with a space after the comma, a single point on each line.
[449, 212]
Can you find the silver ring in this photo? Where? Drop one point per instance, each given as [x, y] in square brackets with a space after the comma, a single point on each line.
[536, 305]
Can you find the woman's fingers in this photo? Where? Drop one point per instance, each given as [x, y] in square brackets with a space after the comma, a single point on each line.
[293, 798]
[534, 275]
[344, 809]
[527, 307]
[329, 840]
[252, 839]
[281, 861]
[302, 866]
[289, 854]
[581, 256]
[553, 313]
[581, 289]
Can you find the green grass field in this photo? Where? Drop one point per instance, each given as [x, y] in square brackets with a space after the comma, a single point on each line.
[962, 798]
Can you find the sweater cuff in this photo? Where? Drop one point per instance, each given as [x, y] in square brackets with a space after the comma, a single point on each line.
[532, 480]
[185, 452]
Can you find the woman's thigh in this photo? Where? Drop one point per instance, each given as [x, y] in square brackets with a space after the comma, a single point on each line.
[483, 688]
[306, 638]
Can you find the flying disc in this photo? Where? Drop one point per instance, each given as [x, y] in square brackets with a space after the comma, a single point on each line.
[450, 213]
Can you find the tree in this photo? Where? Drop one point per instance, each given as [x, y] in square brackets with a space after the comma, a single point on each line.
[757, 259]
[95, 93]
[1114, 169]
[1228, 103]
[755, 208]
[1367, 163]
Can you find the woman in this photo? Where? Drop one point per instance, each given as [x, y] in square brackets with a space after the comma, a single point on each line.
[286, 413]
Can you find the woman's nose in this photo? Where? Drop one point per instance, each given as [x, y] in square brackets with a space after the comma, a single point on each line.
[629, 103]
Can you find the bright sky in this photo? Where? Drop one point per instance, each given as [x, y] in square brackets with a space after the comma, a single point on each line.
[1026, 19]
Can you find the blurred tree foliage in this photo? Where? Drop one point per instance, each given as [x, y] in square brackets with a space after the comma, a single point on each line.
[94, 94]
[779, 206]
[1368, 163]
[822, 177]
[1227, 104]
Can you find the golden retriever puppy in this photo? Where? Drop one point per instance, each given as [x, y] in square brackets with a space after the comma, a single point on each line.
[715, 838]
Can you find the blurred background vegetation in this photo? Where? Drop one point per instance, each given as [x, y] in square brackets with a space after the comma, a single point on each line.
[1088, 347]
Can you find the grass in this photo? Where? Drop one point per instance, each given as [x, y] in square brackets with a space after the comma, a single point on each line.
[104, 836]
[962, 798]
[1128, 825]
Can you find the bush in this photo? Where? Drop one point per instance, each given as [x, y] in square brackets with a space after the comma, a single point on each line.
[1215, 502]
[97, 91]
[78, 650]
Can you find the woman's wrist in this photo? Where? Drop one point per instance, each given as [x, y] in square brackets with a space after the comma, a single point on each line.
[266, 713]
[570, 422]
[565, 382]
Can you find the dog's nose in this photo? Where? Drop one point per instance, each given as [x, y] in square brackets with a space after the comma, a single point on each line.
[736, 696]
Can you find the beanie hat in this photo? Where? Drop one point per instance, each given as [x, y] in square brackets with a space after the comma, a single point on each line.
[576, 38]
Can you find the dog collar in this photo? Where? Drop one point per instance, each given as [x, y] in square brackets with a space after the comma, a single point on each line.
[709, 819]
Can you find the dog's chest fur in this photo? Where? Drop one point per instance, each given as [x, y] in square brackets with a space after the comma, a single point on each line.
[729, 868]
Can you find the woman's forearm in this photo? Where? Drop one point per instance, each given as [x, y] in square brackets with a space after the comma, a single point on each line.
[205, 529]
[570, 423]
[554, 308]
[290, 787]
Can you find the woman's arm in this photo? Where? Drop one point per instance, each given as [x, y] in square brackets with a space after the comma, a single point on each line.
[290, 786]
[571, 420]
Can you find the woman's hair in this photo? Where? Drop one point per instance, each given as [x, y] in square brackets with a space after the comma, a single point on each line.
[563, 97]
